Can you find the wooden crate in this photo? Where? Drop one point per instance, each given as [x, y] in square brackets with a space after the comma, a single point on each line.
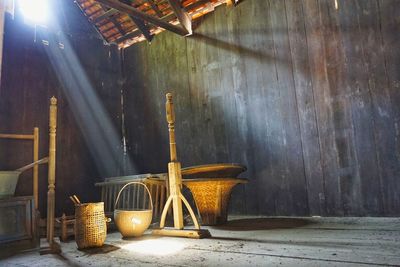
[17, 219]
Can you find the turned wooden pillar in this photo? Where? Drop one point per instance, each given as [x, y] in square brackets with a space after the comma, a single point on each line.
[174, 167]
[52, 170]
[36, 167]
[169, 107]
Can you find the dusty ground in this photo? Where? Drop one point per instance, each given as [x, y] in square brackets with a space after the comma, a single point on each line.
[245, 242]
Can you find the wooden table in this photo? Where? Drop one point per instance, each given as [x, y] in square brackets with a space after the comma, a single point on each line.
[212, 197]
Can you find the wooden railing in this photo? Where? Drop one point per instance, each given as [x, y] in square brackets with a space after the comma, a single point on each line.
[35, 138]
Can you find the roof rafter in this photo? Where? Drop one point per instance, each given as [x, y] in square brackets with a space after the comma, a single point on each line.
[136, 33]
[142, 28]
[140, 24]
[125, 22]
[184, 19]
[143, 16]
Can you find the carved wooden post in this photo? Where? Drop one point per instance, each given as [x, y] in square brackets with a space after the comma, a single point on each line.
[169, 106]
[174, 167]
[36, 167]
[52, 170]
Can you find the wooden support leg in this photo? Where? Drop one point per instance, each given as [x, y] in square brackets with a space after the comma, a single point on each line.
[196, 223]
[165, 210]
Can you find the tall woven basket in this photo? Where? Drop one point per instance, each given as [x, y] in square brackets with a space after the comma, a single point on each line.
[90, 225]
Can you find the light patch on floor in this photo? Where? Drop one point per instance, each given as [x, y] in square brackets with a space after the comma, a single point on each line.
[158, 247]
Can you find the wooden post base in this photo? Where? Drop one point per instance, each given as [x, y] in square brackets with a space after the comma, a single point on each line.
[197, 234]
[49, 248]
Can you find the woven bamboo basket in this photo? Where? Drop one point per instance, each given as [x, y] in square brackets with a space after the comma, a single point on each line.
[212, 197]
[90, 225]
[133, 223]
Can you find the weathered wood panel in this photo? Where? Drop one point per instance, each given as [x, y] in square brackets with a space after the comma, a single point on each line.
[306, 107]
[304, 94]
[389, 23]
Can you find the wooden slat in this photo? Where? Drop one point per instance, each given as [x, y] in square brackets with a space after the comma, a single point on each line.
[389, 27]
[306, 108]
[105, 15]
[156, 200]
[103, 198]
[344, 181]
[320, 83]
[155, 8]
[382, 110]
[117, 25]
[17, 136]
[361, 110]
[293, 191]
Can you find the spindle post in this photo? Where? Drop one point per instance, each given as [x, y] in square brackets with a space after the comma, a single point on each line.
[170, 114]
[175, 184]
[174, 167]
[36, 167]
[51, 170]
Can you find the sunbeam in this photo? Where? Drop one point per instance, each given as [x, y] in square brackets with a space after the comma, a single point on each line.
[94, 121]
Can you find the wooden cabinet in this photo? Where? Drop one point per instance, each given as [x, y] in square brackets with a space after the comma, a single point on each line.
[17, 219]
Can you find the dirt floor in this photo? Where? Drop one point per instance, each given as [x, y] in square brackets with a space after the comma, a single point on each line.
[244, 241]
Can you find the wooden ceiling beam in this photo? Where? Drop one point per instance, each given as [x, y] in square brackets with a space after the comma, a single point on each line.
[128, 36]
[143, 16]
[143, 28]
[136, 32]
[107, 14]
[140, 24]
[184, 18]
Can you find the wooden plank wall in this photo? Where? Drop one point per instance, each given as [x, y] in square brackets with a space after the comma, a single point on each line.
[307, 96]
[29, 80]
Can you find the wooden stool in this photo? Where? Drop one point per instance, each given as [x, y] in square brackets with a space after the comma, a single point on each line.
[67, 226]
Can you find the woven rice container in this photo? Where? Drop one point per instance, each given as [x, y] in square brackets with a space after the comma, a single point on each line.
[90, 225]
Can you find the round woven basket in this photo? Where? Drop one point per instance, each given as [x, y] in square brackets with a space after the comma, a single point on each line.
[90, 225]
[133, 223]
